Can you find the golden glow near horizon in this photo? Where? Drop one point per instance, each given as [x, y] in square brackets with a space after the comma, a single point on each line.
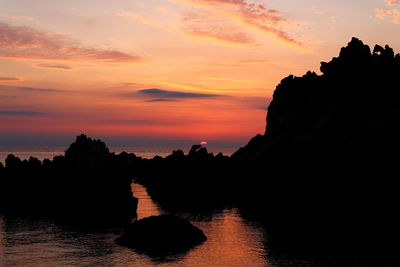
[184, 69]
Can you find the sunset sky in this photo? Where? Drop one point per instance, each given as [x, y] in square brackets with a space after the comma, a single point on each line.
[166, 69]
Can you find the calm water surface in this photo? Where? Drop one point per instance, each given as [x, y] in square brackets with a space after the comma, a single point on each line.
[232, 241]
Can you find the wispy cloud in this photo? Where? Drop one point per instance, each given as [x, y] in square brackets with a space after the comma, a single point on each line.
[13, 17]
[143, 19]
[199, 88]
[255, 62]
[393, 13]
[161, 100]
[318, 11]
[21, 43]
[10, 79]
[392, 2]
[159, 94]
[227, 79]
[28, 89]
[148, 121]
[16, 107]
[244, 63]
[55, 67]
[22, 113]
[254, 15]
[204, 25]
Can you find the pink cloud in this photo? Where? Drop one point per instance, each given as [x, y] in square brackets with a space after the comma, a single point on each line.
[202, 24]
[318, 11]
[57, 67]
[392, 2]
[255, 15]
[13, 17]
[393, 13]
[10, 79]
[139, 17]
[20, 43]
[229, 2]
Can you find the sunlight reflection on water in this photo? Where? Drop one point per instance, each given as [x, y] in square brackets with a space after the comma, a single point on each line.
[232, 241]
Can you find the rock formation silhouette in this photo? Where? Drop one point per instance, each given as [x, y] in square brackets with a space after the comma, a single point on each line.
[180, 180]
[161, 235]
[88, 183]
[324, 174]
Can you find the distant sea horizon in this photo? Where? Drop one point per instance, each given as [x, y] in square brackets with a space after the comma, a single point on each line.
[49, 152]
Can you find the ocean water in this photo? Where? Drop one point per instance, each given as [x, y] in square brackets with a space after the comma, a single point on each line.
[145, 152]
[39, 241]
[232, 241]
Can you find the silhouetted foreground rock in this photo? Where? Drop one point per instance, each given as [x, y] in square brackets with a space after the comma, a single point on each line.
[161, 234]
[88, 183]
[324, 175]
[180, 180]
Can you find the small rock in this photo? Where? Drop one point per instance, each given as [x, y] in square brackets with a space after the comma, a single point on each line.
[161, 233]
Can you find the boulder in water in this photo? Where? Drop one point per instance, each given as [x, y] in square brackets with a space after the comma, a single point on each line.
[164, 233]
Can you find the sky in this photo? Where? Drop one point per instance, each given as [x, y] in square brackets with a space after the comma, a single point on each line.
[166, 71]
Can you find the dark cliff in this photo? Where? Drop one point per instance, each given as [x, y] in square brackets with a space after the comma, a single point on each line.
[352, 107]
[324, 174]
[87, 184]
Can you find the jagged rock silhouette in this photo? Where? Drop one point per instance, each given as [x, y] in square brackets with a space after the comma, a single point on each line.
[180, 180]
[357, 89]
[324, 171]
[87, 184]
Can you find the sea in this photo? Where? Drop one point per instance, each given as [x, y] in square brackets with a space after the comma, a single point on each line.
[41, 241]
[43, 152]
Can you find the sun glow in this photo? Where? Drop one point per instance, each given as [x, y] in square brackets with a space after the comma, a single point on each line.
[129, 68]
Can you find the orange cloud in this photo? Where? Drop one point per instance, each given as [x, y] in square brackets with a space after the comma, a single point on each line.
[229, 2]
[217, 78]
[244, 64]
[254, 15]
[13, 17]
[199, 88]
[203, 25]
[21, 113]
[141, 18]
[56, 67]
[20, 43]
[28, 89]
[254, 62]
[10, 79]
[393, 13]
[392, 2]
[318, 12]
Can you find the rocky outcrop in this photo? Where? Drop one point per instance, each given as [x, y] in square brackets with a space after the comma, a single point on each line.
[88, 183]
[161, 234]
[87, 152]
[180, 180]
[324, 171]
[351, 106]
